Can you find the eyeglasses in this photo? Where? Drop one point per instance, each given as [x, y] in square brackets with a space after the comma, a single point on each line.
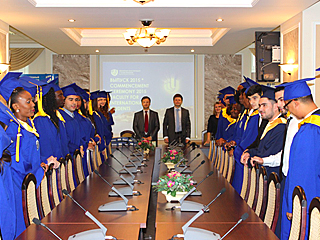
[286, 105]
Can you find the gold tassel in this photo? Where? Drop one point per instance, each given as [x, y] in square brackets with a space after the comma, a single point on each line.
[18, 144]
[90, 107]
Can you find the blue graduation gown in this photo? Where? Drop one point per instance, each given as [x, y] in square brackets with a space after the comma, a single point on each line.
[29, 162]
[8, 215]
[249, 135]
[100, 129]
[239, 128]
[73, 132]
[49, 138]
[107, 127]
[223, 123]
[304, 169]
[271, 142]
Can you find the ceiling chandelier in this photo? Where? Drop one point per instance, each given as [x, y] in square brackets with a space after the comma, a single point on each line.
[142, 2]
[146, 36]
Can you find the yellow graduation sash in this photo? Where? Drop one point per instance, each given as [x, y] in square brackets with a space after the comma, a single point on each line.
[225, 115]
[255, 112]
[272, 125]
[60, 116]
[312, 119]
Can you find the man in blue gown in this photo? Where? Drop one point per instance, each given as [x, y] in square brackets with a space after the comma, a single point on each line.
[304, 158]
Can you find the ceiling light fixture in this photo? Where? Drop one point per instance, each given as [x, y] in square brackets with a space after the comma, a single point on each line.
[4, 67]
[288, 67]
[142, 2]
[192, 50]
[146, 36]
[219, 20]
[71, 20]
[97, 50]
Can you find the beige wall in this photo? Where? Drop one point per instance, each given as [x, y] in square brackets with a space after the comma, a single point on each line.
[291, 53]
[4, 42]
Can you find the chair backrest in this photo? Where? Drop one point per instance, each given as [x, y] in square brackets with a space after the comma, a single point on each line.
[246, 183]
[77, 165]
[262, 192]
[218, 157]
[69, 170]
[54, 190]
[110, 149]
[94, 158]
[226, 163]
[254, 187]
[231, 168]
[299, 214]
[62, 176]
[104, 153]
[210, 151]
[29, 199]
[314, 223]
[222, 158]
[44, 201]
[89, 161]
[127, 133]
[273, 201]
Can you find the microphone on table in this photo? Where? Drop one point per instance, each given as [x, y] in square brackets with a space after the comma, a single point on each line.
[202, 162]
[189, 206]
[191, 233]
[90, 234]
[39, 223]
[124, 167]
[194, 146]
[116, 205]
[178, 163]
[243, 217]
[188, 165]
[134, 154]
[134, 165]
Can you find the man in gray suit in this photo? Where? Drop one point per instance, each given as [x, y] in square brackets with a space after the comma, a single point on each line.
[146, 122]
[176, 123]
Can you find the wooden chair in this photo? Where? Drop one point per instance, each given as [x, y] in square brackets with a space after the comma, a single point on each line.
[54, 191]
[254, 187]
[210, 151]
[78, 167]
[231, 169]
[89, 161]
[127, 133]
[226, 163]
[299, 214]
[246, 183]
[29, 199]
[218, 158]
[273, 204]
[62, 177]
[45, 201]
[314, 219]
[69, 171]
[203, 137]
[222, 158]
[262, 193]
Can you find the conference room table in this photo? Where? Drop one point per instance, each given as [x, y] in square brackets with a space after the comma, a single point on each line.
[67, 218]
[223, 213]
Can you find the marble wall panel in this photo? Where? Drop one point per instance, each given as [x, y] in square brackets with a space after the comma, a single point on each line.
[291, 53]
[220, 71]
[72, 69]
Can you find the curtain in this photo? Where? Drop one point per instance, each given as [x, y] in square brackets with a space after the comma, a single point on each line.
[22, 57]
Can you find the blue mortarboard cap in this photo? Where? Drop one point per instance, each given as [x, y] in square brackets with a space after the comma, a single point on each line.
[227, 90]
[296, 89]
[55, 87]
[4, 141]
[31, 85]
[85, 96]
[220, 96]
[268, 92]
[7, 86]
[46, 88]
[69, 90]
[231, 100]
[12, 75]
[245, 85]
[94, 95]
[6, 115]
[250, 83]
[318, 69]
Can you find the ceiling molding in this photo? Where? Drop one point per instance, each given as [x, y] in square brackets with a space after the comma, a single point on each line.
[113, 36]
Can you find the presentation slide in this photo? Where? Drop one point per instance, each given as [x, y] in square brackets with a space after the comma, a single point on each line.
[159, 77]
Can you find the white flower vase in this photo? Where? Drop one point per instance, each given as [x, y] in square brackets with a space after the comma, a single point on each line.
[169, 165]
[146, 152]
[170, 198]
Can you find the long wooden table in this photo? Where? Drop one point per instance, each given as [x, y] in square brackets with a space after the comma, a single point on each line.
[67, 218]
[223, 214]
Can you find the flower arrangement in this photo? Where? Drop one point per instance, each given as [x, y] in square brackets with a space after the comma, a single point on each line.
[174, 182]
[172, 156]
[146, 144]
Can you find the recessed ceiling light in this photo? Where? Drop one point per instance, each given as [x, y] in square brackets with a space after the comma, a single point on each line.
[71, 20]
[219, 20]
[97, 50]
[192, 50]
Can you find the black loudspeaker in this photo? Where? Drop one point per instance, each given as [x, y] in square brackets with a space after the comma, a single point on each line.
[267, 46]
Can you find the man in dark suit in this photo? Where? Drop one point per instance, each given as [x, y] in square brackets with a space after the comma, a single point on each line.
[176, 123]
[146, 122]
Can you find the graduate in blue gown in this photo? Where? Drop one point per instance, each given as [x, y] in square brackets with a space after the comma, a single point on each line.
[8, 219]
[304, 160]
[72, 127]
[272, 137]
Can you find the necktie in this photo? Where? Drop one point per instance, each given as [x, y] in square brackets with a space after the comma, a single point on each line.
[146, 122]
[178, 126]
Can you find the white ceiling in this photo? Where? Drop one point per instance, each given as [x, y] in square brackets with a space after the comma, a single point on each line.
[45, 25]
